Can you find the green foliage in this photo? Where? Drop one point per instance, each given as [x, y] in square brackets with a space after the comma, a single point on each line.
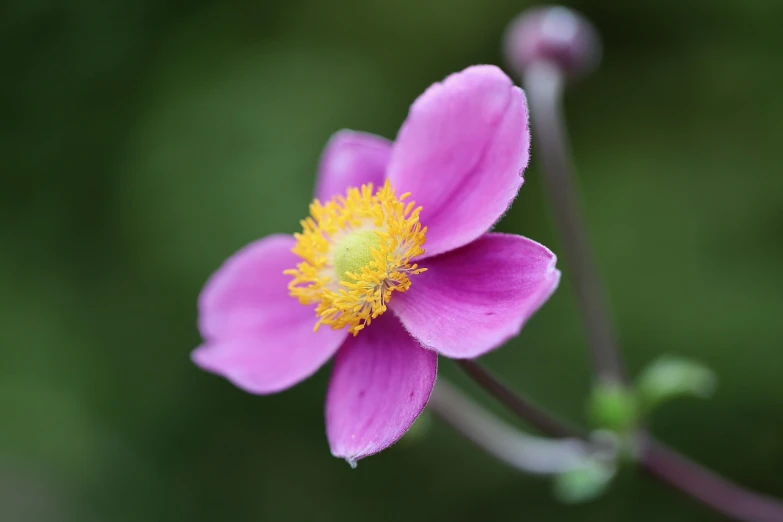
[613, 407]
[669, 378]
[583, 484]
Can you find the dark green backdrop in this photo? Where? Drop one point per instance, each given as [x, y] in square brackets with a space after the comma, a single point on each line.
[142, 142]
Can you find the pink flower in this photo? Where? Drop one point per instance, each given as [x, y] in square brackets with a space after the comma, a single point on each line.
[277, 310]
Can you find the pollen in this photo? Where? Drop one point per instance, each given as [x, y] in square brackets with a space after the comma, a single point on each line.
[356, 251]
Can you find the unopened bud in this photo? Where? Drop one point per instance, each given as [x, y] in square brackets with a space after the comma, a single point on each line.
[613, 407]
[553, 34]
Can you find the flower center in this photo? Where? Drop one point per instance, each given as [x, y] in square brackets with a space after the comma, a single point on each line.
[356, 250]
[353, 253]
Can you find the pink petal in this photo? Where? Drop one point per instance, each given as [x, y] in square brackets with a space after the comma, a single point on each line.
[461, 154]
[351, 159]
[381, 381]
[471, 300]
[256, 335]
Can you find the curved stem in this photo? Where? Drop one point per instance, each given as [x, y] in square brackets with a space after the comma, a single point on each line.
[519, 450]
[543, 83]
[522, 406]
[711, 489]
[688, 477]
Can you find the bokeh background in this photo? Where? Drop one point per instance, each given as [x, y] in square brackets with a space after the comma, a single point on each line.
[142, 142]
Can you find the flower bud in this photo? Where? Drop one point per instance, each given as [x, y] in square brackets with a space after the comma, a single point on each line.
[557, 35]
[613, 407]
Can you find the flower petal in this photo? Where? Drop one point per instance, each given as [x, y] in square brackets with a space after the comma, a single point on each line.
[471, 300]
[381, 381]
[256, 335]
[351, 159]
[461, 154]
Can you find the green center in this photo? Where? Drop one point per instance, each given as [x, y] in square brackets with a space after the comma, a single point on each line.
[354, 252]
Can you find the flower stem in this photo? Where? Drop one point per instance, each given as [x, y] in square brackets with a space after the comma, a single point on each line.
[523, 407]
[545, 58]
[662, 462]
[544, 82]
[708, 487]
[519, 450]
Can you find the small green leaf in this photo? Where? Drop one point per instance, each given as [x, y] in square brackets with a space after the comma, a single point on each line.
[613, 407]
[583, 484]
[671, 377]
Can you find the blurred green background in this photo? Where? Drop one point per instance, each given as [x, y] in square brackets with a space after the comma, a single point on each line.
[143, 142]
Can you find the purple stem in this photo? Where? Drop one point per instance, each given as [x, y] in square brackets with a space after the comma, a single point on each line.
[522, 406]
[711, 489]
[544, 82]
[520, 450]
[679, 472]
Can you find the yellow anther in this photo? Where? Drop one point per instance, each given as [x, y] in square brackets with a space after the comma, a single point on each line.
[356, 250]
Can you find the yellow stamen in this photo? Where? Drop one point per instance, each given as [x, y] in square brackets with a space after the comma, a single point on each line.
[356, 250]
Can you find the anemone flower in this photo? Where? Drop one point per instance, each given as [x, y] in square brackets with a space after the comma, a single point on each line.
[380, 282]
